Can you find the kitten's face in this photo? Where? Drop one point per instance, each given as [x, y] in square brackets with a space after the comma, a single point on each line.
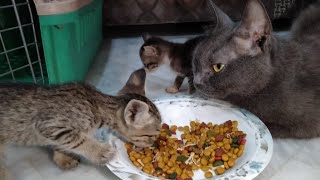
[142, 120]
[236, 57]
[150, 53]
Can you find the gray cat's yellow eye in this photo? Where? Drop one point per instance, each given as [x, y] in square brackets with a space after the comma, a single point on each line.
[218, 67]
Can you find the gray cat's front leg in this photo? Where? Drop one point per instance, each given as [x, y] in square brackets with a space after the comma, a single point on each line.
[176, 86]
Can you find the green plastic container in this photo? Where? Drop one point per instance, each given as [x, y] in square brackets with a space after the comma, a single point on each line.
[70, 42]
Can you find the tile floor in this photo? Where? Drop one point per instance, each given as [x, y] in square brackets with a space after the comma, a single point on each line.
[292, 159]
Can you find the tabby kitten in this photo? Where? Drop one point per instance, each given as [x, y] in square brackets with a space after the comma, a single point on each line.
[274, 76]
[156, 51]
[67, 117]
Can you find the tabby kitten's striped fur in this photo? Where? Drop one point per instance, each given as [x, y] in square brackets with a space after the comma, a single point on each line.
[68, 116]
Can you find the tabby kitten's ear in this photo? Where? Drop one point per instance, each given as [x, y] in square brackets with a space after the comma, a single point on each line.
[135, 83]
[150, 51]
[136, 114]
[256, 22]
[146, 36]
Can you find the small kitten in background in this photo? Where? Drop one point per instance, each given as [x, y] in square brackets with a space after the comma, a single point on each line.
[275, 77]
[67, 117]
[156, 51]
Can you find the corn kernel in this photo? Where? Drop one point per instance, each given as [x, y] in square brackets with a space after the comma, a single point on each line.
[170, 164]
[145, 160]
[180, 128]
[204, 161]
[204, 168]
[240, 152]
[235, 151]
[211, 160]
[132, 158]
[225, 157]
[207, 152]
[189, 173]
[195, 167]
[220, 170]
[208, 174]
[220, 144]
[227, 146]
[226, 165]
[161, 164]
[178, 171]
[234, 123]
[184, 176]
[136, 164]
[231, 162]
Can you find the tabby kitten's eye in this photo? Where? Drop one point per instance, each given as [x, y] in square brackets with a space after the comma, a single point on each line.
[218, 67]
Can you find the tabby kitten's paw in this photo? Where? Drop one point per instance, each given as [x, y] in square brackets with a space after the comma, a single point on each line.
[104, 155]
[65, 161]
[172, 90]
[5, 174]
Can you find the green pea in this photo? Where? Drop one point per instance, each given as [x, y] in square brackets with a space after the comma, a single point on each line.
[217, 163]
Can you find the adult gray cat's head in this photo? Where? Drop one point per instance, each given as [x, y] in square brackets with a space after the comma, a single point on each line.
[235, 59]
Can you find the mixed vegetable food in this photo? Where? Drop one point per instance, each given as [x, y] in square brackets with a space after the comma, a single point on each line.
[210, 147]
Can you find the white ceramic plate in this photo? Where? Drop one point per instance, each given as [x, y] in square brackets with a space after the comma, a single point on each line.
[180, 111]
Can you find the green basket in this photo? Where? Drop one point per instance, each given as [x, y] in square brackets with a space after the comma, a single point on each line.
[70, 42]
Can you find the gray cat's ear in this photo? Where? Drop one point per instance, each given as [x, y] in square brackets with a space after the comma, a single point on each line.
[136, 113]
[150, 51]
[146, 36]
[255, 20]
[135, 83]
[221, 19]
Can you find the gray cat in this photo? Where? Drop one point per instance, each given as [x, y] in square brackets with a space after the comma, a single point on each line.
[67, 117]
[275, 77]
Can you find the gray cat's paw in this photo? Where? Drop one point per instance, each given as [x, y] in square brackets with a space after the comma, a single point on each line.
[105, 155]
[64, 161]
[172, 90]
